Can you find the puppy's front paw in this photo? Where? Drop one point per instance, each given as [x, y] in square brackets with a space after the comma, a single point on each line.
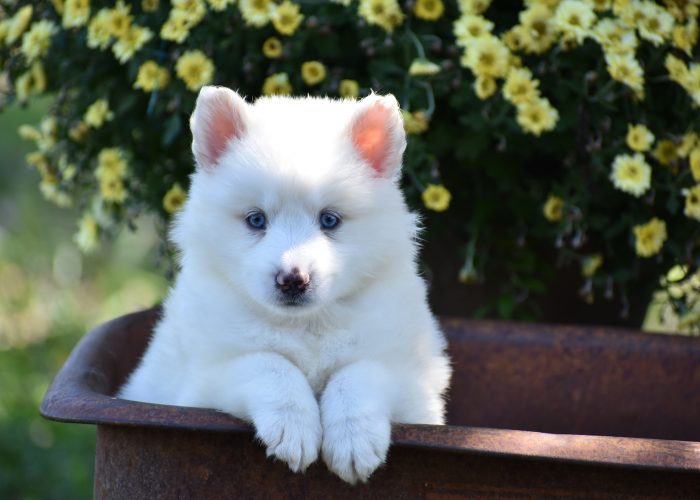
[291, 434]
[353, 447]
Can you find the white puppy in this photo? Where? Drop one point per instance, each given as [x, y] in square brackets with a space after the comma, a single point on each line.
[298, 307]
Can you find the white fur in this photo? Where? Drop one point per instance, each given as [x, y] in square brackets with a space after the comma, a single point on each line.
[366, 351]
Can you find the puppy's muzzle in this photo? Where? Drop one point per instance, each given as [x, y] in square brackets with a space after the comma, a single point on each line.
[292, 284]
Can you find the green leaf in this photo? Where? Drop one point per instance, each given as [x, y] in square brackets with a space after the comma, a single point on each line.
[673, 203]
[506, 305]
[173, 127]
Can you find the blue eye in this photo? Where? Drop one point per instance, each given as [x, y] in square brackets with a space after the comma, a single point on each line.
[256, 220]
[329, 220]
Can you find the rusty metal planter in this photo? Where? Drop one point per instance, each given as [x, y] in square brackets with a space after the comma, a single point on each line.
[535, 411]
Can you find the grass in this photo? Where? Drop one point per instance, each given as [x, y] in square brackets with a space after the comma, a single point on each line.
[50, 295]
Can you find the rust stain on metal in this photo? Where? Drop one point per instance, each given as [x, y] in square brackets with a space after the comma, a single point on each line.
[535, 410]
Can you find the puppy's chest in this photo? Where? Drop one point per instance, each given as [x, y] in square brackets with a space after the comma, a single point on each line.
[318, 356]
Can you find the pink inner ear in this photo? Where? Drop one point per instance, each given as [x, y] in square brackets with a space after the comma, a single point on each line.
[371, 136]
[221, 129]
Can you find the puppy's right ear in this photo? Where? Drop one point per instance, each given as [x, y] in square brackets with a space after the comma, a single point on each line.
[378, 135]
[219, 117]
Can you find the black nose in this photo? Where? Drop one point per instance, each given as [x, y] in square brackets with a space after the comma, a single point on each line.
[294, 283]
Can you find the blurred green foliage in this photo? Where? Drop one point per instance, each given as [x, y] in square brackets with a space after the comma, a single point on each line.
[50, 295]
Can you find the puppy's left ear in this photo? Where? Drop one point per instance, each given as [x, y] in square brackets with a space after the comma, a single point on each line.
[378, 135]
[219, 117]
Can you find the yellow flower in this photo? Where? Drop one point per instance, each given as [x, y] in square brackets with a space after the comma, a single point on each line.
[110, 164]
[423, 67]
[195, 69]
[655, 24]
[150, 5]
[468, 274]
[537, 116]
[195, 10]
[574, 19]
[349, 88]
[487, 56]
[692, 202]
[112, 189]
[133, 40]
[515, 61]
[255, 12]
[87, 236]
[626, 69]
[692, 83]
[151, 77]
[628, 11]
[38, 77]
[313, 72]
[220, 5]
[695, 163]
[38, 160]
[277, 84]
[99, 33]
[36, 41]
[416, 122]
[49, 128]
[665, 152]
[98, 113]
[639, 138]
[174, 199]
[469, 27]
[430, 10]
[58, 5]
[538, 30]
[473, 6]
[50, 187]
[686, 36]
[688, 143]
[384, 13]
[677, 11]
[272, 47]
[46, 129]
[78, 131]
[436, 197]
[590, 265]
[615, 37]
[553, 208]
[31, 82]
[119, 19]
[600, 5]
[76, 13]
[44, 136]
[286, 17]
[484, 87]
[677, 69]
[29, 133]
[675, 274]
[689, 319]
[18, 23]
[631, 174]
[177, 27]
[520, 87]
[650, 237]
[514, 38]
[67, 170]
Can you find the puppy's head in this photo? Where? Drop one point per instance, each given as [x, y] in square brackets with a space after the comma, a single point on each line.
[295, 202]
